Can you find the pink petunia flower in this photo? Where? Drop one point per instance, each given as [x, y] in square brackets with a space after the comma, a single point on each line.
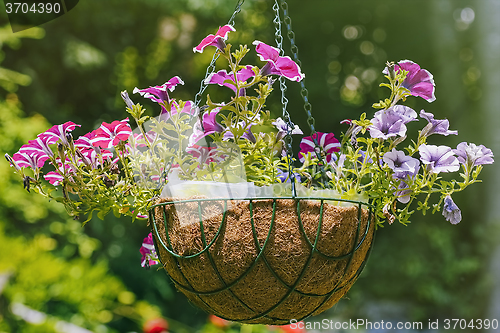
[217, 40]
[110, 135]
[39, 146]
[159, 94]
[207, 126]
[418, 81]
[327, 145]
[149, 255]
[29, 160]
[283, 66]
[58, 132]
[222, 77]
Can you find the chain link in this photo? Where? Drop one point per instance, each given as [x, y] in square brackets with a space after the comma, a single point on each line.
[211, 67]
[303, 90]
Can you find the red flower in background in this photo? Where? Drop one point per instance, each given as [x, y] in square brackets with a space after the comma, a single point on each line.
[156, 325]
[218, 322]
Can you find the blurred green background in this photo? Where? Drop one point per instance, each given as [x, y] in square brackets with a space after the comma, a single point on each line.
[74, 67]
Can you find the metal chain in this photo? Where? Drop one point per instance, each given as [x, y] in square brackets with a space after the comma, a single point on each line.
[303, 90]
[211, 67]
[288, 141]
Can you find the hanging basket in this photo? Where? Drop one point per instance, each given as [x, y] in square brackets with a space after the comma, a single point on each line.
[263, 261]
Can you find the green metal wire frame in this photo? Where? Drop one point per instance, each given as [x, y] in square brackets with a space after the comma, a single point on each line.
[158, 242]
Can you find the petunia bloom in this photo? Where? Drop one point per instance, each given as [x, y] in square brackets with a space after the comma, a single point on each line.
[284, 128]
[29, 160]
[159, 94]
[418, 81]
[205, 155]
[285, 177]
[222, 77]
[451, 211]
[149, 255]
[327, 145]
[110, 135]
[435, 126]
[217, 40]
[401, 164]
[405, 113]
[387, 124]
[471, 155]
[283, 66]
[39, 146]
[438, 158]
[207, 126]
[59, 132]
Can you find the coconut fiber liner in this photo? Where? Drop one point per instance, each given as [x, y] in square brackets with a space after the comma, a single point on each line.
[260, 261]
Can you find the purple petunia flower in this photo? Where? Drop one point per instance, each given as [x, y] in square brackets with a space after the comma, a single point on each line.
[327, 144]
[471, 155]
[284, 177]
[438, 158]
[405, 113]
[387, 124]
[248, 134]
[159, 94]
[401, 164]
[222, 77]
[149, 255]
[451, 211]
[418, 81]
[435, 126]
[284, 128]
[207, 126]
[217, 40]
[283, 66]
[403, 193]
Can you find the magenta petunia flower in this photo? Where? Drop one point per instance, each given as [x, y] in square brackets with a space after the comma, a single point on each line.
[54, 178]
[149, 256]
[472, 155]
[418, 81]
[39, 146]
[401, 164]
[110, 135]
[206, 155]
[159, 94]
[84, 141]
[188, 108]
[435, 126]
[222, 77]
[438, 158]
[58, 132]
[451, 211]
[217, 40]
[327, 146]
[31, 160]
[207, 126]
[386, 124]
[277, 65]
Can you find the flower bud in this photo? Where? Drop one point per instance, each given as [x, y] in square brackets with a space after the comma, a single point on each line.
[60, 150]
[127, 99]
[69, 138]
[390, 70]
[12, 162]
